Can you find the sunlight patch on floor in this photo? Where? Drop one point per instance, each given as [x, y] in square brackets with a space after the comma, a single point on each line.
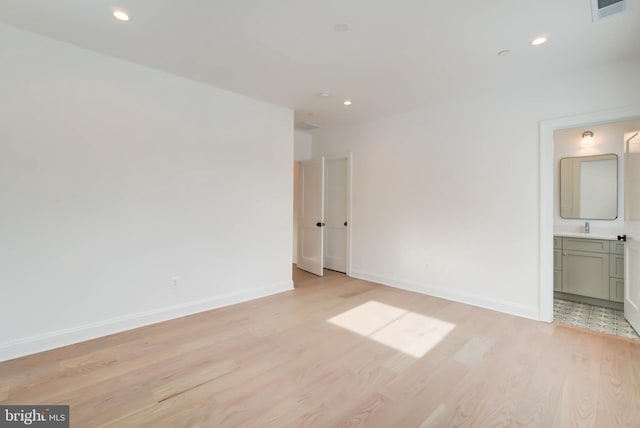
[408, 332]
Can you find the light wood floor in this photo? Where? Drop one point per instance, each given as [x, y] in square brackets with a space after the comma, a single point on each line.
[339, 352]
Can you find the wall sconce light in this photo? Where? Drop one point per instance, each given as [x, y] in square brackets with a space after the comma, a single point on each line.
[587, 139]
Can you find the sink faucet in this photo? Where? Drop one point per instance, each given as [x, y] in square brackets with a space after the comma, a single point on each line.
[586, 227]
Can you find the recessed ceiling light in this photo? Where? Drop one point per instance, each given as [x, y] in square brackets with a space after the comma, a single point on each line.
[323, 94]
[341, 27]
[538, 41]
[120, 15]
[504, 52]
[347, 102]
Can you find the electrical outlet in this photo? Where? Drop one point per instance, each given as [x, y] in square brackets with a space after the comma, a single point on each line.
[428, 267]
[174, 281]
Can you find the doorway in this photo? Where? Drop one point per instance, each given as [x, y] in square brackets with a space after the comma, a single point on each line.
[547, 194]
[323, 216]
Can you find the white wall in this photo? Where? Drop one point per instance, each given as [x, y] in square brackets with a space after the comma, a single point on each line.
[446, 200]
[608, 138]
[302, 145]
[114, 178]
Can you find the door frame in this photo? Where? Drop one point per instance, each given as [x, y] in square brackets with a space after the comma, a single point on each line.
[546, 192]
[349, 157]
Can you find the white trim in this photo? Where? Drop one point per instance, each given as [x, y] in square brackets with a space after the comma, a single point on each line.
[55, 339]
[530, 312]
[545, 165]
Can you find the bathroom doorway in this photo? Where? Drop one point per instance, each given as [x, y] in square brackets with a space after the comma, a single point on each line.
[549, 204]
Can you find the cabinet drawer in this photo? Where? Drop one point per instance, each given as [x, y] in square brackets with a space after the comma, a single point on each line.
[616, 247]
[557, 242]
[616, 266]
[616, 289]
[557, 259]
[582, 244]
[557, 280]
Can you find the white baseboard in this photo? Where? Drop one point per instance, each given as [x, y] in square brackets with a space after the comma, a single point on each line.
[530, 312]
[56, 339]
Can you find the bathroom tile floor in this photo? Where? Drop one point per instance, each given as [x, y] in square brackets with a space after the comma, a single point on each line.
[595, 318]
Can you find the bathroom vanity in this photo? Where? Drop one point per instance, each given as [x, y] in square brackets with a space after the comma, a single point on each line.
[589, 269]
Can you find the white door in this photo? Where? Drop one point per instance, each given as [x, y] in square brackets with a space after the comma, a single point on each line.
[335, 231]
[632, 229]
[311, 219]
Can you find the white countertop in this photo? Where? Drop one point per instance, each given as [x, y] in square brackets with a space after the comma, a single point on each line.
[594, 234]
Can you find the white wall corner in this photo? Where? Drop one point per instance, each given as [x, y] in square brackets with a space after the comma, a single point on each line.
[56, 339]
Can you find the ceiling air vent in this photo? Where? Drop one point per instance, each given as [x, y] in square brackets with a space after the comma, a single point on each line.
[603, 8]
[306, 126]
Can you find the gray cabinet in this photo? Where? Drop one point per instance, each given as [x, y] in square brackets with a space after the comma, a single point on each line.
[557, 280]
[587, 267]
[616, 290]
[557, 263]
[585, 273]
[616, 247]
[616, 271]
[616, 266]
[588, 245]
[557, 242]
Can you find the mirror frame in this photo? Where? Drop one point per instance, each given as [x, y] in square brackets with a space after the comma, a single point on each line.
[617, 213]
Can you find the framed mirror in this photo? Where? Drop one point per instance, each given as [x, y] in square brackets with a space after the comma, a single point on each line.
[589, 187]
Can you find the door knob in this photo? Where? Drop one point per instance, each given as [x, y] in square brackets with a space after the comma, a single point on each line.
[345, 224]
[319, 224]
[622, 238]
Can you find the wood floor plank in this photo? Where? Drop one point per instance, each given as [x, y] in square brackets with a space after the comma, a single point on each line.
[632, 415]
[537, 406]
[581, 387]
[338, 351]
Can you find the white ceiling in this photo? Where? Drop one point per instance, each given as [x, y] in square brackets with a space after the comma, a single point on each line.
[397, 55]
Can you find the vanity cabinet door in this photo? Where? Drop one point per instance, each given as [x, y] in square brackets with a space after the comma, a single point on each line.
[616, 289]
[616, 266]
[585, 274]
